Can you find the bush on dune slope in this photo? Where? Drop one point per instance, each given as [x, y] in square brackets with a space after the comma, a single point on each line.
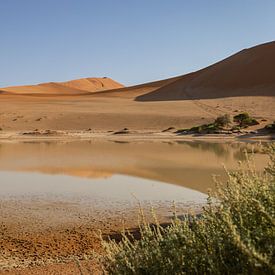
[234, 236]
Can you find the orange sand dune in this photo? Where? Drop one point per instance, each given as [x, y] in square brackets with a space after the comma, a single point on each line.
[73, 87]
[4, 92]
[251, 72]
[92, 84]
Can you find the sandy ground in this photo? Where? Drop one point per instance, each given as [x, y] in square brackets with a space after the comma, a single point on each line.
[37, 232]
[109, 113]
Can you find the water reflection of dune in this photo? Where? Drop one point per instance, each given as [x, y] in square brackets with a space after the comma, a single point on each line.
[189, 164]
[76, 172]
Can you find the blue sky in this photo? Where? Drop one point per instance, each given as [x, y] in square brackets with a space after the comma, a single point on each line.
[129, 41]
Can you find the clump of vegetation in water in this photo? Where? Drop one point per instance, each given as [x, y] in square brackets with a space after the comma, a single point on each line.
[234, 235]
[244, 120]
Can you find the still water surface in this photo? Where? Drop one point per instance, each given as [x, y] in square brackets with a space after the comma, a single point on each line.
[118, 170]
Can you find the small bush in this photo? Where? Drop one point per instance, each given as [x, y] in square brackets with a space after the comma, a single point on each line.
[245, 120]
[234, 235]
[223, 121]
[196, 129]
[182, 131]
[240, 117]
[270, 127]
[205, 128]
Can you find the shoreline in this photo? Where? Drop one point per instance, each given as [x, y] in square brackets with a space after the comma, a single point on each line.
[134, 136]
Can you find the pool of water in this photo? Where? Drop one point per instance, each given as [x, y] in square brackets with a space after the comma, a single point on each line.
[51, 188]
[118, 170]
[115, 188]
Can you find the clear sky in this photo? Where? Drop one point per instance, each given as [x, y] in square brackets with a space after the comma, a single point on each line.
[131, 41]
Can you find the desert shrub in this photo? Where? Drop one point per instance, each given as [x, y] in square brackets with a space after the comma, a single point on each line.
[223, 120]
[205, 128]
[240, 117]
[244, 120]
[196, 129]
[182, 131]
[234, 235]
[217, 125]
[270, 127]
[249, 122]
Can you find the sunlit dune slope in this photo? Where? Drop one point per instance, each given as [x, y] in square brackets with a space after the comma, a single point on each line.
[92, 84]
[250, 72]
[73, 87]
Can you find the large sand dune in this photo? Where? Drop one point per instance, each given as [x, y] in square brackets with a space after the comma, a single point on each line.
[73, 87]
[242, 82]
[251, 72]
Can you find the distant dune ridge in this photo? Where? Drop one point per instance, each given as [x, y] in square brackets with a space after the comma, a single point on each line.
[250, 72]
[73, 87]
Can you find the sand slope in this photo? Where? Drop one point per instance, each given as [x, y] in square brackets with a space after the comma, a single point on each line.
[92, 84]
[136, 90]
[73, 87]
[251, 72]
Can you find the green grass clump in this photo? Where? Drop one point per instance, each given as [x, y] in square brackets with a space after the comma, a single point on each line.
[219, 123]
[210, 128]
[245, 120]
[205, 128]
[201, 129]
[222, 123]
[234, 235]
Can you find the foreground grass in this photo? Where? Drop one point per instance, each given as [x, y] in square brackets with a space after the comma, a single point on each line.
[234, 236]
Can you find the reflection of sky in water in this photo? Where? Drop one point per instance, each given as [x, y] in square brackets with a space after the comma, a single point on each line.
[115, 187]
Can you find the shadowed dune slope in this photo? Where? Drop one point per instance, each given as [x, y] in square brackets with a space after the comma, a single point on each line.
[137, 90]
[73, 87]
[250, 72]
[4, 92]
